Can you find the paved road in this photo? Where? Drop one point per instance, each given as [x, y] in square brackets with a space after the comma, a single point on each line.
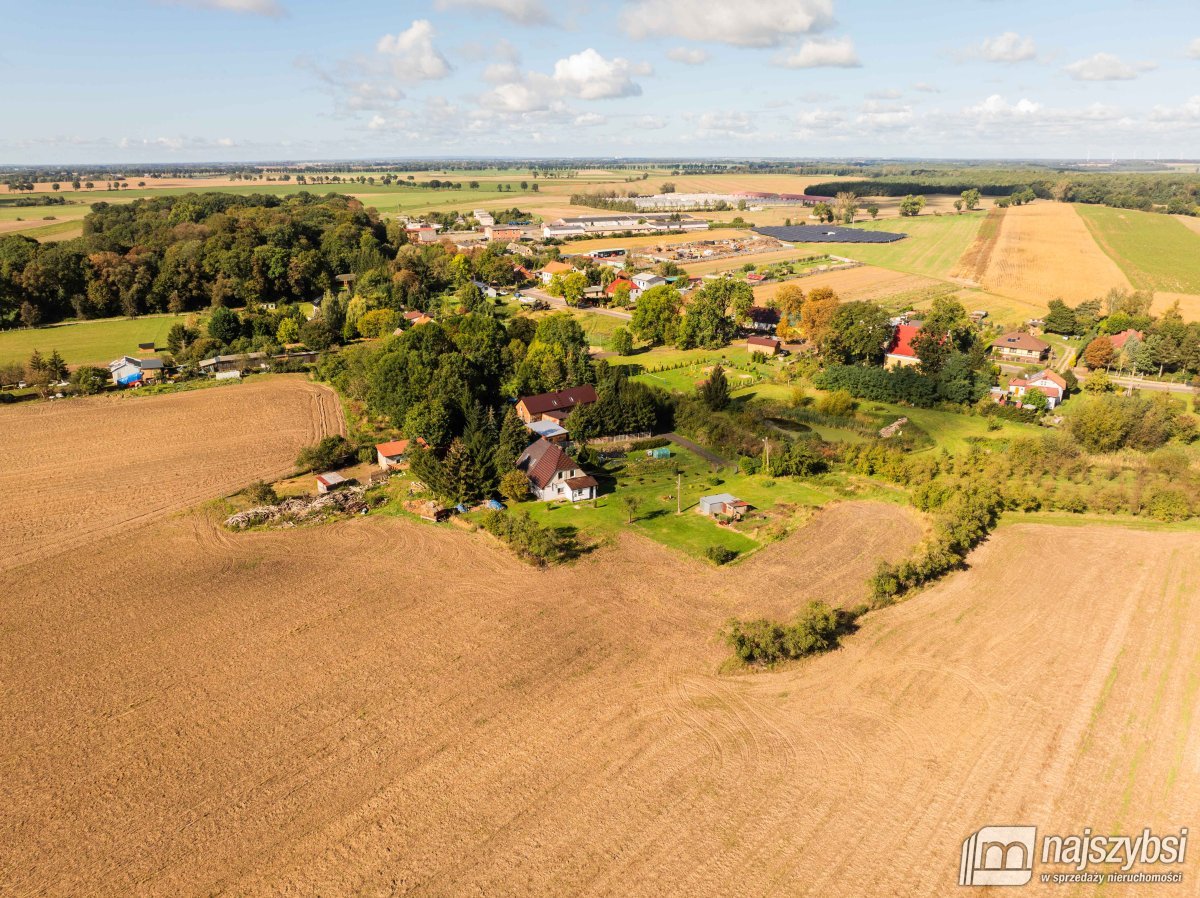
[1138, 384]
[557, 302]
[711, 457]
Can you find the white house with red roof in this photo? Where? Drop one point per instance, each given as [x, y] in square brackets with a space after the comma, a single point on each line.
[555, 475]
[900, 353]
[1049, 384]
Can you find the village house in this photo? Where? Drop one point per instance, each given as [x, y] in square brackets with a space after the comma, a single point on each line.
[503, 232]
[552, 268]
[765, 345]
[485, 219]
[416, 317]
[555, 475]
[722, 504]
[393, 455]
[554, 406]
[1021, 347]
[613, 286]
[1118, 341]
[900, 353]
[762, 319]
[486, 289]
[128, 371]
[645, 280]
[1051, 385]
[421, 232]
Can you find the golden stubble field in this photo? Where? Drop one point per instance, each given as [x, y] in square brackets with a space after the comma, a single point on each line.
[1044, 251]
[385, 707]
[76, 470]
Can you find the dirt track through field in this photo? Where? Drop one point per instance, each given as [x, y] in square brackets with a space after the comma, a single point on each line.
[75, 470]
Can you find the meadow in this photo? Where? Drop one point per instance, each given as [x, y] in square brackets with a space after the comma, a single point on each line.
[1156, 252]
[88, 342]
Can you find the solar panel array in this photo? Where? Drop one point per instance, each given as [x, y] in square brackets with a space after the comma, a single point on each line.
[828, 234]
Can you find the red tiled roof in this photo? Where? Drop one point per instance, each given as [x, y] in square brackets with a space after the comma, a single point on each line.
[763, 341]
[557, 268]
[564, 400]
[611, 289]
[578, 483]
[1119, 340]
[902, 340]
[542, 459]
[398, 447]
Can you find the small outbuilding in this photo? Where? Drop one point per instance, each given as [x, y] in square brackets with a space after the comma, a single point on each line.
[725, 504]
[765, 345]
[330, 481]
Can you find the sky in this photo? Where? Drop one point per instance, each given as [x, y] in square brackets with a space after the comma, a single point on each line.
[243, 80]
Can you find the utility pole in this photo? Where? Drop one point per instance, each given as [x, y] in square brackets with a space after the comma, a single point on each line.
[678, 494]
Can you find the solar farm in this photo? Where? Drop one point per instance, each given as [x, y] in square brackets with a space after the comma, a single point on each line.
[828, 234]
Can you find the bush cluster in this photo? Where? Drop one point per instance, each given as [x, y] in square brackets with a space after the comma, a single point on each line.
[818, 628]
[531, 541]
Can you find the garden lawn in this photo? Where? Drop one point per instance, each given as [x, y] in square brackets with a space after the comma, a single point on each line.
[88, 342]
[653, 482]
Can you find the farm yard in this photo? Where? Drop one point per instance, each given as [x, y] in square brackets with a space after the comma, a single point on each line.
[84, 469]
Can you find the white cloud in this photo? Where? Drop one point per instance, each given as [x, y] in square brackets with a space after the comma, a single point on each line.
[585, 75]
[1188, 112]
[1194, 49]
[887, 94]
[926, 88]
[412, 55]
[1106, 67]
[748, 23]
[590, 120]
[590, 76]
[650, 122]
[884, 115]
[821, 53]
[722, 124]
[688, 55]
[1007, 47]
[524, 12]
[249, 7]
[996, 108]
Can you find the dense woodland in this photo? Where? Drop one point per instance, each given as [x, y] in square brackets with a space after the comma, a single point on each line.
[1177, 194]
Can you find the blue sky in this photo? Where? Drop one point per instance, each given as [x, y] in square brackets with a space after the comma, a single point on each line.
[216, 80]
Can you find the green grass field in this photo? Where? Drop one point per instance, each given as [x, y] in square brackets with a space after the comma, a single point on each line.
[87, 342]
[1156, 252]
[933, 246]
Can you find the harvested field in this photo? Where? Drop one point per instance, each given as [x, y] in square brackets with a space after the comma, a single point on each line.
[864, 282]
[268, 714]
[80, 469]
[973, 264]
[1189, 304]
[1044, 250]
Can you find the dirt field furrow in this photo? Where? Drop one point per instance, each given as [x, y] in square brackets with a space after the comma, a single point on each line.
[81, 469]
[386, 707]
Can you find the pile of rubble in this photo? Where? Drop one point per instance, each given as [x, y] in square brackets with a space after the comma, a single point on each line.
[302, 509]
